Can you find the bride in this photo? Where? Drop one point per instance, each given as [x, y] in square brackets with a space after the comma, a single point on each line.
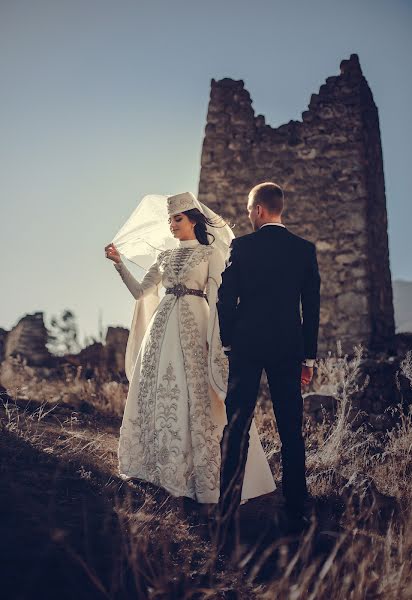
[175, 414]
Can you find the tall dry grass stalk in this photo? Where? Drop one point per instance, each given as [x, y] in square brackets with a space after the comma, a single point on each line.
[340, 450]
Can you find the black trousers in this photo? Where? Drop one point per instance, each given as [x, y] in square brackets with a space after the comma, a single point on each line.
[285, 389]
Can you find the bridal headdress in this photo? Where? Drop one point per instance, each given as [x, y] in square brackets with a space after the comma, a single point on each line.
[146, 232]
[180, 203]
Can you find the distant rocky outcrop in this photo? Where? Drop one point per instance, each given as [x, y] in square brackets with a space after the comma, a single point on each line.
[108, 357]
[28, 340]
[115, 347]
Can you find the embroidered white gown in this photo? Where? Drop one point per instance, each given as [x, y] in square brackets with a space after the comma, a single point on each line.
[174, 415]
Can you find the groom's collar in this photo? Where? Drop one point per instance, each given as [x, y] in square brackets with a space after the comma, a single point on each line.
[277, 224]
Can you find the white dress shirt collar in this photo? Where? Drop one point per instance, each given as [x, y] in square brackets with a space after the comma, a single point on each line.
[278, 224]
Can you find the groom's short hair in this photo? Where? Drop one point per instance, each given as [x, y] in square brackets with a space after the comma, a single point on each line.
[270, 195]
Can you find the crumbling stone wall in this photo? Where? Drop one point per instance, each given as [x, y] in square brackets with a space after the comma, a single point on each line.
[29, 337]
[330, 166]
[116, 342]
[28, 340]
[3, 338]
[107, 358]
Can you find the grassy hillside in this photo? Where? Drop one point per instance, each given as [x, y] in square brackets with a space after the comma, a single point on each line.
[72, 529]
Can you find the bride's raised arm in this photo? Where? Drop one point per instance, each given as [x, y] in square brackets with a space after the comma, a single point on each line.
[137, 289]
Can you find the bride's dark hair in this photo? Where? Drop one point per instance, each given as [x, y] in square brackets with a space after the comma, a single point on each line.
[201, 221]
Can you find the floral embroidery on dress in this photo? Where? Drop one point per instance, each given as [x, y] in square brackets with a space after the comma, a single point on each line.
[171, 458]
[199, 255]
[178, 258]
[140, 445]
[205, 441]
[222, 363]
[151, 444]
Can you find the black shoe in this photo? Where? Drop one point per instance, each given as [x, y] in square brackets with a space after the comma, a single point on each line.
[297, 520]
[301, 507]
[294, 510]
[297, 524]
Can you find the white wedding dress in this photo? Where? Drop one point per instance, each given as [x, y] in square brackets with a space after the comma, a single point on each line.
[174, 415]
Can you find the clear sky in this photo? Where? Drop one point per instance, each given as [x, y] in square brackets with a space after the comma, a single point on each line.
[105, 101]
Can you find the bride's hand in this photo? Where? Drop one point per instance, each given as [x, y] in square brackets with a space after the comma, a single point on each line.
[112, 253]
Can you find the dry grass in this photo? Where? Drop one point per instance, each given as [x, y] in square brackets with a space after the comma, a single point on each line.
[98, 391]
[164, 553]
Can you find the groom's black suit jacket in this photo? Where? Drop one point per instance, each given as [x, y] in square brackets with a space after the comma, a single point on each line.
[269, 275]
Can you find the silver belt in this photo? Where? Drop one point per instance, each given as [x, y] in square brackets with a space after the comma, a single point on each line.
[181, 290]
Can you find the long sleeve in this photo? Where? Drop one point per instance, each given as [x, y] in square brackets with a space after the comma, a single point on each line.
[137, 289]
[310, 298]
[228, 297]
[214, 277]
[217, 361]
[147, 300]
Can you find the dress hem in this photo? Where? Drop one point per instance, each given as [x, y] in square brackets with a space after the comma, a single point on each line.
[180, 493]
[172, 491]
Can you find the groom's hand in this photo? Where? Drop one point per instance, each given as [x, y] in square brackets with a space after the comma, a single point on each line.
[306, 375]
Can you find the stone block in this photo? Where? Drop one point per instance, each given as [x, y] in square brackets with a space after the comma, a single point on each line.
[28, 339]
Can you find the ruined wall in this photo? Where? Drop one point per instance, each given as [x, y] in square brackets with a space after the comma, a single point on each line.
[115, 348]
[29, 337]
[330, 167]
[28, 340]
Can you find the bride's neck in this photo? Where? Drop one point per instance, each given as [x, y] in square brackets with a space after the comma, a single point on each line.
[189, 243]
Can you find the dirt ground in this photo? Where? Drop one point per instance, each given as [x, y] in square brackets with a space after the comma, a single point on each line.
[61, 535]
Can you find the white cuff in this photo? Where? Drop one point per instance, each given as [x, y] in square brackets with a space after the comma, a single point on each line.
[309, 362]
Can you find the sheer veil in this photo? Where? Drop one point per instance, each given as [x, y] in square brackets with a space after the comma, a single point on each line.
[146, 232]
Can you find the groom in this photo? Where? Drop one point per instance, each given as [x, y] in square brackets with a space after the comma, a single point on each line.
[269, 275]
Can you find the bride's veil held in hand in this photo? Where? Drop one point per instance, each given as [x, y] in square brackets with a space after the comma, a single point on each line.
[146, 232]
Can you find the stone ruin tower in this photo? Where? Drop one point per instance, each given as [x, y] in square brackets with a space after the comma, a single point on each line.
[330, 167]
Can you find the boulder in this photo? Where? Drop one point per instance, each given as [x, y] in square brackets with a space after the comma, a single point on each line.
[28, 339]
[115, 348]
